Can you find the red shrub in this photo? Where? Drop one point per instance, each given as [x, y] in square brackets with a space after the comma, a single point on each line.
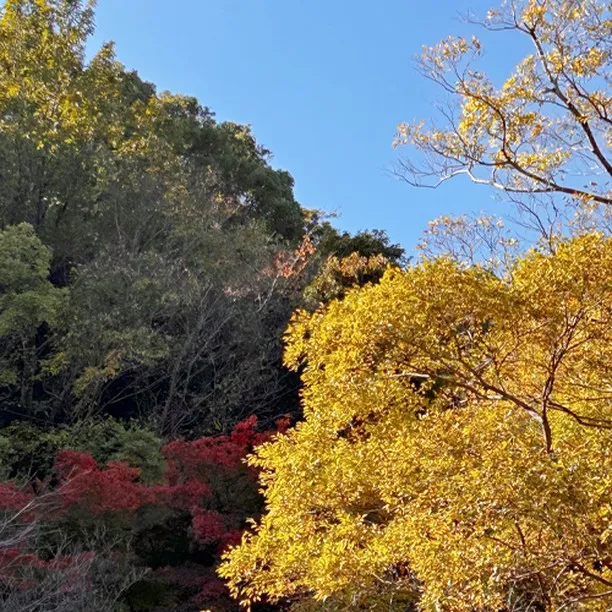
[208, 526]
[208, 490]
[84, 484]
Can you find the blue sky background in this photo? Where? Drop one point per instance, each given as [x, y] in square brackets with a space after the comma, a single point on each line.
[324, 84]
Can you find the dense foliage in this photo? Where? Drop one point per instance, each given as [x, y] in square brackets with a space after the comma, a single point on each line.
[457, 434]
[150, 259]
[153, 254]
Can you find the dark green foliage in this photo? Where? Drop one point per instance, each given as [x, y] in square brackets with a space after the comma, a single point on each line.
[367, 243]
[170, 233]
[27, 302]
[28, 450]
[164, 226]
[336, 275]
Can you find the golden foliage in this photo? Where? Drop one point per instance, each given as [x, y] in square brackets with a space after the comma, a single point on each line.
[457, 442]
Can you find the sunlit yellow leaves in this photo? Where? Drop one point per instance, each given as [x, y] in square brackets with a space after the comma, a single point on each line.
[52, 99]
[588, 64]
[457, 444]
[533, 13]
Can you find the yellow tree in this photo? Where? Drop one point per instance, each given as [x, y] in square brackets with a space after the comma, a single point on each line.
[457, 443]
[547, 131]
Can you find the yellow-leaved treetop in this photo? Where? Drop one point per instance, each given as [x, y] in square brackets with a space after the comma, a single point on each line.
[547, 129]
[457, 443]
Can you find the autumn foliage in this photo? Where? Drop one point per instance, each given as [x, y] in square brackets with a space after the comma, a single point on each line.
[453, 444]
[457, 442]
[545, 129]
[206, 494]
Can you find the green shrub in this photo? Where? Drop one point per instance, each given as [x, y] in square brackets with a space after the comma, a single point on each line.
[28, 450]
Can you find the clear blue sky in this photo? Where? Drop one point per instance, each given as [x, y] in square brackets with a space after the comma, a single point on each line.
[324, 83]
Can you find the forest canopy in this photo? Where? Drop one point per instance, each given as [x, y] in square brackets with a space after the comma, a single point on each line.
[161, 253]
[150, 259]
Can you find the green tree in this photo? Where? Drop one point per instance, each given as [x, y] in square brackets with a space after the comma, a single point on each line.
[165, 225]
[187, 337]
[28, 301]
[90, 152]
[366, 243]
[337, 275]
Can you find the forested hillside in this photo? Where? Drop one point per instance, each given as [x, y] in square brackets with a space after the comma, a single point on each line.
[431, 435]
[150, 259]
[160, 254]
